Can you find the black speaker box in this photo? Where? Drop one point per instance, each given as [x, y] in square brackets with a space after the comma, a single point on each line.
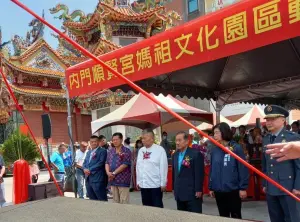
[39, 191]
[47, 128]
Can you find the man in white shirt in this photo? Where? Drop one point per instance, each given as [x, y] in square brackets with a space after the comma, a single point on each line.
[151, 171]
[79, 159]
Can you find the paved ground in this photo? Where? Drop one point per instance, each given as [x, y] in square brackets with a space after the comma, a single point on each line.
[252, 210]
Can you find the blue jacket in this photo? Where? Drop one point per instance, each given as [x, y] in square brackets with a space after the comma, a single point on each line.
[226, 173]
[96, 166]
[286, 173]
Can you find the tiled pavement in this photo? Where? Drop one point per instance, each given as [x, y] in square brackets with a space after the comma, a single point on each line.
[252, 210]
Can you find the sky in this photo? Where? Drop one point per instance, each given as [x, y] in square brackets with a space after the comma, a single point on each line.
[14, 20]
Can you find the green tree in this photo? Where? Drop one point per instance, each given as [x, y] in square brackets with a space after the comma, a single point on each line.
[19, 146]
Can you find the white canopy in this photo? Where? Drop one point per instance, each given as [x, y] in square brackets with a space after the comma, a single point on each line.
[250, 117]
[140, 112]
[207, 126]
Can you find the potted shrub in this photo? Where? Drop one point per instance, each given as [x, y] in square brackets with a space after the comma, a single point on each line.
[19, 146]
[20, 150]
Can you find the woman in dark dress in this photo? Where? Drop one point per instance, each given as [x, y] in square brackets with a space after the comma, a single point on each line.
[228, 179]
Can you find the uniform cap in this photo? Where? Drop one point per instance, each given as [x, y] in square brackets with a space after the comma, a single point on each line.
[273, 111]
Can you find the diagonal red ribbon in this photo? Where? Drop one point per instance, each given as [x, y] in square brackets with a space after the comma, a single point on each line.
[139, 89]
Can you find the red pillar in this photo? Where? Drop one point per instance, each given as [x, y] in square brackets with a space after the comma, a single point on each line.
[79, 127]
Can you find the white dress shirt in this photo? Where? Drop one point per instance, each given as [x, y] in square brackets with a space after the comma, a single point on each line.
[152, 172]
[79, 157]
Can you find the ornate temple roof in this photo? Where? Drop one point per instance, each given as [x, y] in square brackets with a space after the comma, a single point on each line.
[20, 62]
[32, 49]
[74, 56]
[34, 58]
[74, 59]
[115, 18]
[113, 13]
[39, 91]
[35, 71]
[104, 46]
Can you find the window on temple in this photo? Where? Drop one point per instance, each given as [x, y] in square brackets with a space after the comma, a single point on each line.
[127, 41]
[192, 6]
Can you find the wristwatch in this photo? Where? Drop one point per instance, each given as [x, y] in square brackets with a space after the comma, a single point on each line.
[113, 173]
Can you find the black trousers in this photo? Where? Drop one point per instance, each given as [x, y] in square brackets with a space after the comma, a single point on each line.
[229, 204]
[194, 206]
[152, 197]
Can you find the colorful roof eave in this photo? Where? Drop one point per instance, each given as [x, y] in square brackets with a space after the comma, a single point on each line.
[34, 48]
[63, 42]
[36, 71]
[111, 44]
[74, 59]
[38, 92]
[119, 14]
[108, 46]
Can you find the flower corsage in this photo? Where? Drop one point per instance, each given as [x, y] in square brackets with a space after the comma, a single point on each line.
[121, 155]
[187, 162]
[146, 155]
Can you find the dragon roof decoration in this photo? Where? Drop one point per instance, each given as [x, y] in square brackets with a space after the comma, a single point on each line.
[148, 17]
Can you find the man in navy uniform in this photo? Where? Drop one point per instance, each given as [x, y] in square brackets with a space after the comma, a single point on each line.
[281, 206]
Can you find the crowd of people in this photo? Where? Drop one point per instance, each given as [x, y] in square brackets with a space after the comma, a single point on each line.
[116, 168]
[103, 167]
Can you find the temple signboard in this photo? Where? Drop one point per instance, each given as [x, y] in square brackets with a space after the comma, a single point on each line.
[232, 31]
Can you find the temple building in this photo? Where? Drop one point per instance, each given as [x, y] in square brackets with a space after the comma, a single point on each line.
[36, 71]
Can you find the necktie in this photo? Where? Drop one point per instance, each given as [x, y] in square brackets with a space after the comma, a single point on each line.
[273, 137]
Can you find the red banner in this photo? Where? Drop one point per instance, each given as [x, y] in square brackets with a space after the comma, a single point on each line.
[241, 27]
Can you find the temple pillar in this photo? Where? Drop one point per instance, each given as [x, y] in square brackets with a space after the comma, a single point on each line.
[218, 113]
[74, 127]
[79, 127]
[94, 115]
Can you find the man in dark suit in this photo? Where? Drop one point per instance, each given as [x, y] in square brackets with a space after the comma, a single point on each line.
[94, 170]
[281, 206]
[188, 175]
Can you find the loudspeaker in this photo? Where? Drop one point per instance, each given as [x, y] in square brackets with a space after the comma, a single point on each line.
[47, 128]
[39, 191]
